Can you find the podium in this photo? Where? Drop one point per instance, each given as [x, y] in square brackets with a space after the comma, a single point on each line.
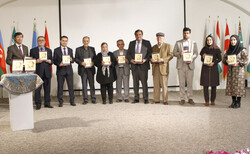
[20, 87]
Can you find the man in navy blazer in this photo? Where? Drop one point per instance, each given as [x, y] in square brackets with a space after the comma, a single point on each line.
[64, 71]
[43, 69]
[140, 69]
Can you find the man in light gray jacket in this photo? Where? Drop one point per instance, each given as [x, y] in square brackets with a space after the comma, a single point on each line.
[122, 71]
[186, 52]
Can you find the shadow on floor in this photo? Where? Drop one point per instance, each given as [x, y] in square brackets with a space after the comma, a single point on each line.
[61, 123]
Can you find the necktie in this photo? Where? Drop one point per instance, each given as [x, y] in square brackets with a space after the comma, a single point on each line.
[20, 50]
[138, 47]
[64, 50]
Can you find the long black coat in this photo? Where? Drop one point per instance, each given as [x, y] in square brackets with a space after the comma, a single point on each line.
[100, 78]
[210, 75]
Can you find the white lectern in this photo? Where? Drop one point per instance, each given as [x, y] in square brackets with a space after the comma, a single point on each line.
[21, 111]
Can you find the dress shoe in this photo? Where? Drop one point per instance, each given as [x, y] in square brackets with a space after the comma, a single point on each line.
[146, 101]
[182, 102]
[206, 104]
[165, 103]
[94, 102]
[103, 102]
[126, 100]
[237, 105]
[135, 101]
[85, 102]
[48, 106]
[190, 101]
[38, 107]
[155, 102]
[212, 103]
[110, 102]
[119, 100]
[72, 104]
[60, 105]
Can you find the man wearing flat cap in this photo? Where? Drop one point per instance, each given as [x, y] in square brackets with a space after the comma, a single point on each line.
[161, 55]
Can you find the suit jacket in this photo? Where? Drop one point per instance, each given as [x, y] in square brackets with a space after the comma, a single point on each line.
[42, 68]
[14, 53]
[126, 65]
[179, 47]
[166, 54]
[79, 58]
[104, 79]
[146, 51]
[57, 59]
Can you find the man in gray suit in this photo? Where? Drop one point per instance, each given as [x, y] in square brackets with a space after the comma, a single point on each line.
[182, 50]
[123, 72]
[17, 50]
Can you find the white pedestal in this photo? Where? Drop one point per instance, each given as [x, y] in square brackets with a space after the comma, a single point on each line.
[21, 111]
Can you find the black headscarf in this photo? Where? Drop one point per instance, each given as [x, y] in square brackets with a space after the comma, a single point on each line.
[209, 48]
[235, 49]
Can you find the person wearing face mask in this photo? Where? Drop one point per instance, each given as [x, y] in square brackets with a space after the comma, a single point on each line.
[160, 68]
[106, 73]
[236, 72]
[209, 72]
[18, 50]
[186, 68]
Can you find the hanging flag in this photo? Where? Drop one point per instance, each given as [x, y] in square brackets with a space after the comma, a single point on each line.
[240, 34]
[34, 40]
[226, 46]
[13, 36]
[208, 27]
[248, 66]
[218, 44]
[2, 57]
[47, 40]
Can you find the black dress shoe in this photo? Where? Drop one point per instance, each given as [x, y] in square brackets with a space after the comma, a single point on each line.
[94, 102]
[103, 102]
[85, 102]
[233, 104]
[60, 105]
[48, 106]
[119, 100]
[38, 107]
[126, 100]
[72, 104]
[135, 101]
[110, 102]
[146, 102]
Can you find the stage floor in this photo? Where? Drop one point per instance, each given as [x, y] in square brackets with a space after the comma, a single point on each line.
[132, 128]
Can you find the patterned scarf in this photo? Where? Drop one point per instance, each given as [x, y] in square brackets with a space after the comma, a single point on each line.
[105, 67]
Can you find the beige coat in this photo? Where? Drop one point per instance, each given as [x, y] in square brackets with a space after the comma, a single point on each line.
[166, 54]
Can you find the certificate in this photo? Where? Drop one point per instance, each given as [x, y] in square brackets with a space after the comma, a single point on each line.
[155, 57]
[88, 62]
[106, 60]
[187, 57]
[121, 60]
[138, 57]
[208, 59]
[232, 59]
[17, 65]
[43, 55]
[66, 59]
[30, 65]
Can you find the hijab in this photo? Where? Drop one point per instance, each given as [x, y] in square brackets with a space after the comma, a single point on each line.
[234, 50]
[207, 48]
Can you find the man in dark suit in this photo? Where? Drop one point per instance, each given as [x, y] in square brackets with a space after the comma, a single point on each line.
[140, 69]
[87, 73]
[18, 50]
[64, 71]
[43, 69]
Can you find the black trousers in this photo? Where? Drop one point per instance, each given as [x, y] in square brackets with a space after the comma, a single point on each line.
[46, 87]
[104, 88]
[88, 76]
[206, 93]
[140, 75]
[238, 99]
[60, 83]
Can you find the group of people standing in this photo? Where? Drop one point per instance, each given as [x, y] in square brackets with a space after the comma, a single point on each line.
[120, 72]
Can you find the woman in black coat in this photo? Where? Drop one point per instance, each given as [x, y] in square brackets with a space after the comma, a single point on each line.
[209, 72]
[106, 73]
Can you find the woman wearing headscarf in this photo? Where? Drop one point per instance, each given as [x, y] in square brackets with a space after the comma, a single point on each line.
[236, 73]
[106, 73]
[209, 72]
